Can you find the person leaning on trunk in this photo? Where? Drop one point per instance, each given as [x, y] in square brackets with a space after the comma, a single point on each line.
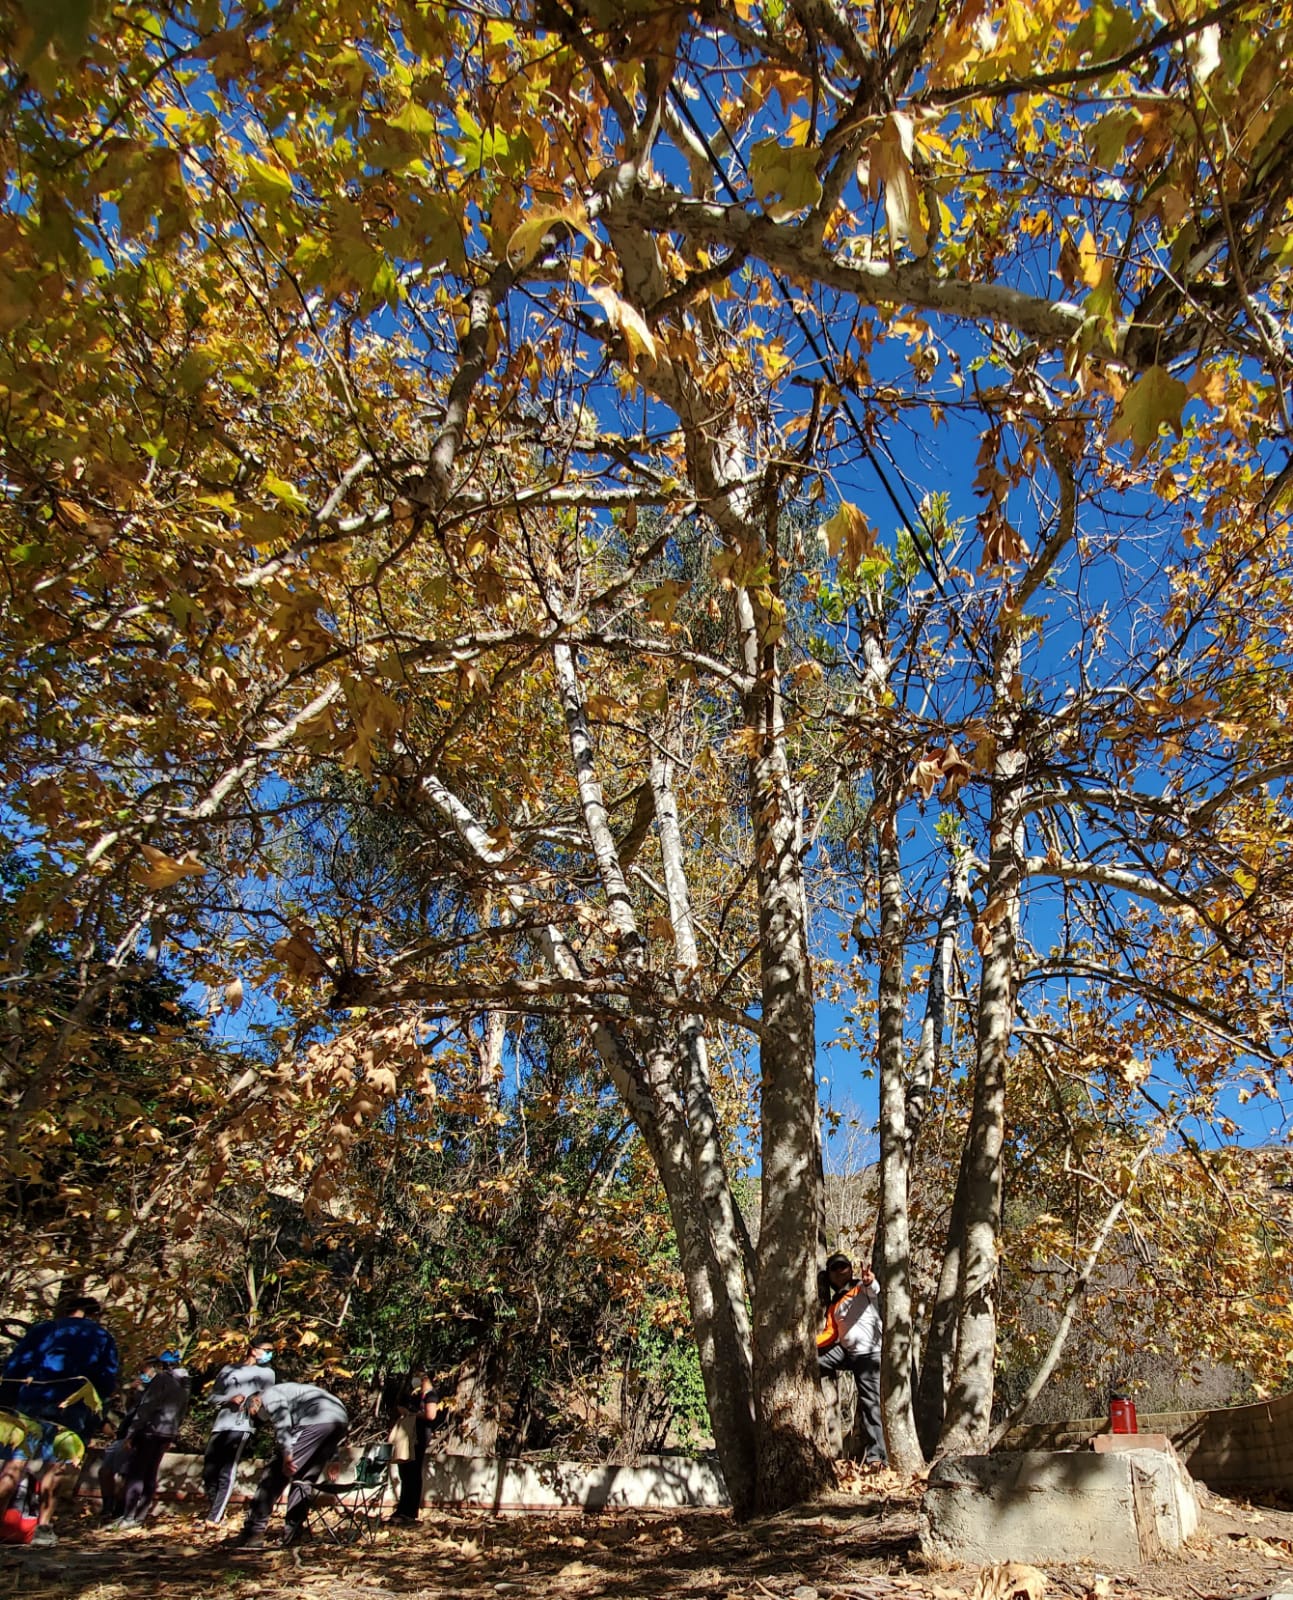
[416, 1414]
[850, 1342]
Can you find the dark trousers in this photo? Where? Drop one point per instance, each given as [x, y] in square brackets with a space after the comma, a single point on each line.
[112, 1464]
[410, 1501]
[219, 1467]
[315, 1447]
[866, 1375]
[139, 1477]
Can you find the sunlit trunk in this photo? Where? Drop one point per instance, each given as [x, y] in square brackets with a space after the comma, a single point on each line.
[794, 1462]
[967, 1421]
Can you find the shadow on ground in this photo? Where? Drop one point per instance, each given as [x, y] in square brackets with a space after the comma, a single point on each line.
[851, 1547]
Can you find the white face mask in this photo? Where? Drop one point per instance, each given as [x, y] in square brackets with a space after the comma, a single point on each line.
[263, 1357]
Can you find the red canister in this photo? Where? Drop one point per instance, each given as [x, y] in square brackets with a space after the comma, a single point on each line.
[1122, 1414]
[16, 1527]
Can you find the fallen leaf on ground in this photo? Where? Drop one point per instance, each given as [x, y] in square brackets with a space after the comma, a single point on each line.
[1009, 1579]
[1275, 1549]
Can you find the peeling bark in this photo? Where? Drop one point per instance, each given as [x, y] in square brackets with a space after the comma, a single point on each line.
[939, 1354]
[794, 1463]
[969, 1408]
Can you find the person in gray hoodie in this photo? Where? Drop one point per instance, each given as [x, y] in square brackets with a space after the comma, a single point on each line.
[232, 1430]
[309, 1425]
[153, 1429]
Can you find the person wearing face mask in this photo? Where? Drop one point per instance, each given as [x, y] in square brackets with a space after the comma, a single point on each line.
[112, 1464]
[233, 1427]
[153, 1430]
[310, 1425]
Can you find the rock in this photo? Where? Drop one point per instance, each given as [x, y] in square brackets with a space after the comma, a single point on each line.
[1058, 1505]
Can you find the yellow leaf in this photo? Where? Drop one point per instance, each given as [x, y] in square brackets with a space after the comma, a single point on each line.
[629, 322]
[849, 531]
[269, 184]
[1155, 398]
[163, 871]
[888, 162]
[662, 602]
[415, 119]
[774, 358]
[1090, 267]
[547, 222]
[788, 171]
[287, 494]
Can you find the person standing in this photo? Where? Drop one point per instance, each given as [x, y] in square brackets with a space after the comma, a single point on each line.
[415, 1415]
[427, 1404]
[59, 1375]
[309, 1426]
[232, 1429]
[850, 1341]
[153, 1430]
[112, 1463]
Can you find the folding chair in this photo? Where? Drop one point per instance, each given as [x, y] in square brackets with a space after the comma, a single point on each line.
[351, 1511]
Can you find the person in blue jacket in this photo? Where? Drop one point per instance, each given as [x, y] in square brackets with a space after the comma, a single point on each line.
[45, 1379]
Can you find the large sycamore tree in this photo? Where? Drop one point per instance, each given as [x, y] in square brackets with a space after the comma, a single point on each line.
[432, 395]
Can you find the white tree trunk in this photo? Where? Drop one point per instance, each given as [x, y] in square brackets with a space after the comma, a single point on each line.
[967, 1421]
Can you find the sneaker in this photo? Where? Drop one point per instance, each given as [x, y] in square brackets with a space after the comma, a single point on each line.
[250, 1539]
[44, 1536]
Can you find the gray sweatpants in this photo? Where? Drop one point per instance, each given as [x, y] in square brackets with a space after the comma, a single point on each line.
[316, 1444]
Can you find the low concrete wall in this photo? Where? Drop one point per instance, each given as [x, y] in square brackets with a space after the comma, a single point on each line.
[1240, 1447]
[659, 1483]
[655, 1483]
[179, 1478]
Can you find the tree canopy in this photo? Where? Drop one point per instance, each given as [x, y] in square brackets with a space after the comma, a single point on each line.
[563, 511]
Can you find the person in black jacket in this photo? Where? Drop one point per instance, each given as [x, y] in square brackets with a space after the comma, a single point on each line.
[116, 1454]
[415, 1413]
[153, 1430]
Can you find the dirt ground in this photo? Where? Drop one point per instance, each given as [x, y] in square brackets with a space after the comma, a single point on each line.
[858, 1544]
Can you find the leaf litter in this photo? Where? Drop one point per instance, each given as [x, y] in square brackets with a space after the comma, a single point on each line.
[859, 1544]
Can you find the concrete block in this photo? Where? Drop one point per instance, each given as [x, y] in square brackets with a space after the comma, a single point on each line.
[1111, 1443]
[1036, 1506]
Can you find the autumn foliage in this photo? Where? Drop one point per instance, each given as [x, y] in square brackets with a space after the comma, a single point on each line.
[621, 519]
